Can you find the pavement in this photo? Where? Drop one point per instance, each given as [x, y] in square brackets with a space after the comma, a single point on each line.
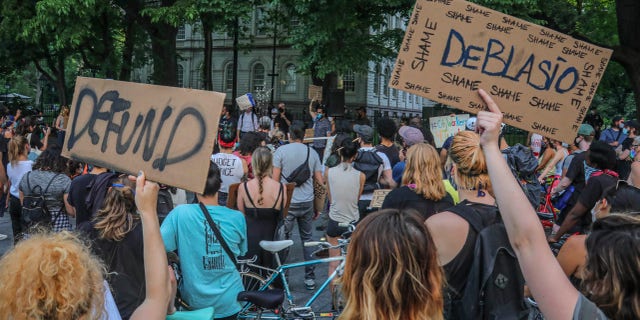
[295, 276]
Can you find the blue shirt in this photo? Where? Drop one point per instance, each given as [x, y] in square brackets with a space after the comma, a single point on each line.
[209, 276]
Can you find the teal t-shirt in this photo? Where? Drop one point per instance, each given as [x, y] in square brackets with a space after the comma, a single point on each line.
[209, 276]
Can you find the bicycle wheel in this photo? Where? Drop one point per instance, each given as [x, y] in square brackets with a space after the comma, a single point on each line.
[253, 281]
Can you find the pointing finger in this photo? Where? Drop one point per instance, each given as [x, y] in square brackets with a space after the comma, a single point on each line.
[493, 107]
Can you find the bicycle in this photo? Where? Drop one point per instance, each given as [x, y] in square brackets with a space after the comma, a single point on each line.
[263, 301]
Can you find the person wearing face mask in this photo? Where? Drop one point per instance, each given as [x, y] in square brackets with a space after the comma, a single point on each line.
[623, 151]
[321, 126]
[599, 176]
[615, 135]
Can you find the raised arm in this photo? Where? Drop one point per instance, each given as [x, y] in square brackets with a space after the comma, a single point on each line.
[312, 112]
[548, 283]
[156, 268]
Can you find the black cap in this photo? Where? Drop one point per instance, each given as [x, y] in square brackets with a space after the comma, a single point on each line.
[632, 124]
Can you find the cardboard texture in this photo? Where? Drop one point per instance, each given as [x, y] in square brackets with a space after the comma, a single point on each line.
[378, 198]
[446, 126]
[167, 132]
[543, 81]
[245, 101]
[315, 92]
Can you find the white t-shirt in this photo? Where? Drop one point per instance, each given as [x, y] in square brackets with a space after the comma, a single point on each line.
[231, 170]
[15, 174]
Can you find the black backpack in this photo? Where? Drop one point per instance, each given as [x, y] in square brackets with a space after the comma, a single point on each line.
[34, 205]
[165, 203]
[368, 162]
[495, 285]
[523, 166]
[302, 173]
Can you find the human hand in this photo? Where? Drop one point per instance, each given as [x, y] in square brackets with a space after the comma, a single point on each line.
[46, 131]
[614, 144]
[541, 179]
[488, 123]
[552, 239]
[146, 194]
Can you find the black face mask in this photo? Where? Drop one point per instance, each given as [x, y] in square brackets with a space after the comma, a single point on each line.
[281, 110]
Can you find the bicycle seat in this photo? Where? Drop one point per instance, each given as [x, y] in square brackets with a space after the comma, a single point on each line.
[275, 246]
[267, 299]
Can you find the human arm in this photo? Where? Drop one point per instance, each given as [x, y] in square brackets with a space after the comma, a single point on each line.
[387, 179]
[156, 271]
[556, 158]
[546, 157]
[634, 176]
[312, 112]
[241, 195]
[45, 143]
[553, 292]
[573, 217]
[326, 178]
[276, 173]
[69, 208]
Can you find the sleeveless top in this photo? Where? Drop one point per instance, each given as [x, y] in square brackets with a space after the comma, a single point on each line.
[261, 225]
[264, 212]
[560, 163]
[231, 170]
[344, 186]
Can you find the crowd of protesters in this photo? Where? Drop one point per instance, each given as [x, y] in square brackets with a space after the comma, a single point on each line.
[423, 253]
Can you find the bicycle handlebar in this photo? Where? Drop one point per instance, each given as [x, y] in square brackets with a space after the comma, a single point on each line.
[317, 243]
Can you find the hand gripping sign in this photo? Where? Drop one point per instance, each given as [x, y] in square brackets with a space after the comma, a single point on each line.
[167, 132]
[544, 81]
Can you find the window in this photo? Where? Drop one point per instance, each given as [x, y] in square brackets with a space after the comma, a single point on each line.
[181, 35]
[290, 85]
[257, 77]
[349, 81]
[180, 76]
[376, 80]
[228, 77]
[385, 79]
[259, 27]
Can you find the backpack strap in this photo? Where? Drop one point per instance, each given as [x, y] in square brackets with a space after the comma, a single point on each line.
[216, 231]
[476, 220]
[48, 185]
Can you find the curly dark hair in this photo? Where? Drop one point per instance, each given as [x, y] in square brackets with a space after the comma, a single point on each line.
[51, 160]
[249, 142]
[387, 128]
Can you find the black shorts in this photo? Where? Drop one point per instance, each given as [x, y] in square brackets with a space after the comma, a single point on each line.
[334, 229]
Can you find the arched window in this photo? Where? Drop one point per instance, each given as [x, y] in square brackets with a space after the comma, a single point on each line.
[257, 77]
[180, 76]
[376, 80]
[228, 77]
[349, 81]
[385, 79]
[290, 78]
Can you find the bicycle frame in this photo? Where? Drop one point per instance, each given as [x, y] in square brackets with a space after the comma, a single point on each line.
[280, 271]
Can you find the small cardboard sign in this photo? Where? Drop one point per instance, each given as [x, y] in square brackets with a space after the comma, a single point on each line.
[378, 198]
[167, 132]
[315, 92]
[444, 127]
[543, 80]
[245, 101]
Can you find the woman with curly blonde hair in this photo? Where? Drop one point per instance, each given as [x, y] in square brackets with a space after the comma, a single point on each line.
[422, 187]
[392, 271]
[51, 276]
[116, 236]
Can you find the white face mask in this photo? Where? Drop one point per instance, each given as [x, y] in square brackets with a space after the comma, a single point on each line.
[621, 125]
[594, 212]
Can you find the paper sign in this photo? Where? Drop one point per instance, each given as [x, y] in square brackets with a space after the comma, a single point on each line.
[315, 92]
[378, 198]
[245, 101]
[167, 132]
[444, 127]
[543, 80]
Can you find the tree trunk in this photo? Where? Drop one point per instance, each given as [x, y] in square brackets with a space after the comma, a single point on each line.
[207, 29]
[163, 47]
[61, 86]
[129, 45]
[628, 54]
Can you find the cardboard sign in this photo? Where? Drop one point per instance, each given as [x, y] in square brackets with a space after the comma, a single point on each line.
[315, 92]
[167, 132]
[378, 198]
[444, 127]
[543, 80]
[245, 101]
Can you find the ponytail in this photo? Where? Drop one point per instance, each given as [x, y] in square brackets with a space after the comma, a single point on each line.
[17, 146]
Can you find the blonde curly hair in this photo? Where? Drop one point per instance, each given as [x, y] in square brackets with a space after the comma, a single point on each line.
[51, 276]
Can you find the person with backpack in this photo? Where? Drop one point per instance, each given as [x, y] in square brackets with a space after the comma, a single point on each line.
[610, 286]
[374, 164]
[387, 130]
[43, 192]
[247, 122]
[18, 165]
[470, 237]
[298, 163]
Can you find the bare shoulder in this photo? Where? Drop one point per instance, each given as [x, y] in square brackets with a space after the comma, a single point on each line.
[446, 222]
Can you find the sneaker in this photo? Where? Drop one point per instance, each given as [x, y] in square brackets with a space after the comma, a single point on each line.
[3, 236]
[310, 284]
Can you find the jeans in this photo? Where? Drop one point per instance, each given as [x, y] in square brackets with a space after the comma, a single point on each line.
[303, 213]
[15, 210]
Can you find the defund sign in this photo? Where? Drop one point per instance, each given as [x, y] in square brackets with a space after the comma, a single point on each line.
[543, 81]
[167, 132]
